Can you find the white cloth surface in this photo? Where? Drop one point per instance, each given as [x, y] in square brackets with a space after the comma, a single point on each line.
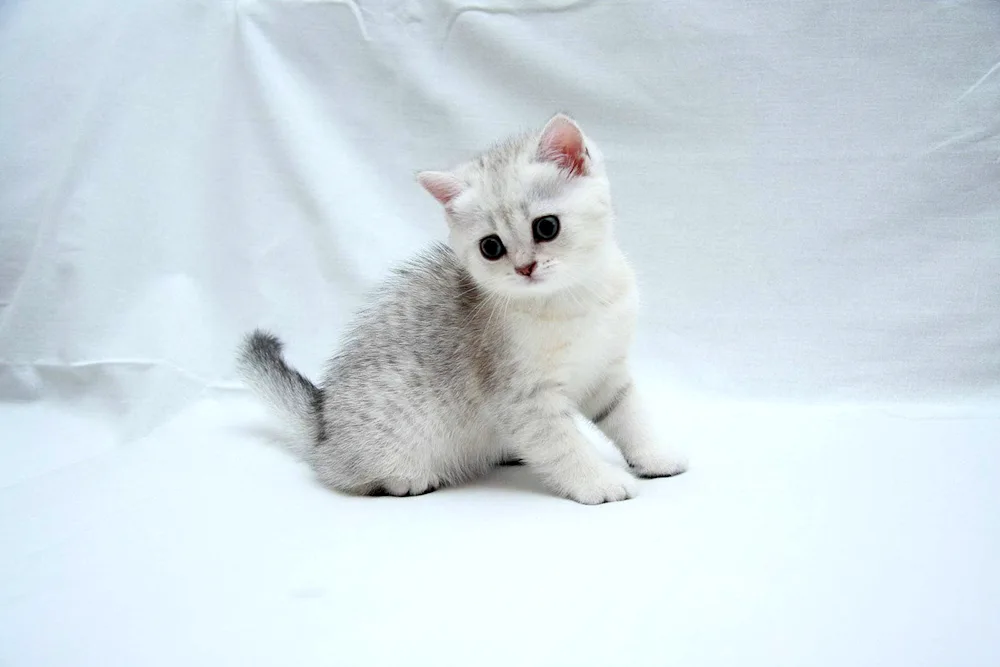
[814, 536]
[809, 191]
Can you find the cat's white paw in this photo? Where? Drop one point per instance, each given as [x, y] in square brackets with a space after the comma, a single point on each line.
[656, 464]
[605, 484]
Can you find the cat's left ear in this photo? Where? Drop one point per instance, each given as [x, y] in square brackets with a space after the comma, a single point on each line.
[562, 142]
[442, 185]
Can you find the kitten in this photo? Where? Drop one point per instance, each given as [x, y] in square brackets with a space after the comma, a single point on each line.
[488, 349]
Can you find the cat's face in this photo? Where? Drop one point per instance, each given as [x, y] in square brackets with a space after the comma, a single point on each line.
[532, 216]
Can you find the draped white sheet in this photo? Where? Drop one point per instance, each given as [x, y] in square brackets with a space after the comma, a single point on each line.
[810, 192]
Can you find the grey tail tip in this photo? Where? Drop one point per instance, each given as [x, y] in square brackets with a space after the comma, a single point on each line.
[261, 353]
[262, 345]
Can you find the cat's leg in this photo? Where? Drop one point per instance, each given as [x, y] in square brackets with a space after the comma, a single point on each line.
[617, 411]
[545, 437]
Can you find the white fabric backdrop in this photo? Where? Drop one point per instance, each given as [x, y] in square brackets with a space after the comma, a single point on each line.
[810, 192]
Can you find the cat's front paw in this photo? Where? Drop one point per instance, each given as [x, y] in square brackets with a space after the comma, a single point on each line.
[606, 484]
[658, 465]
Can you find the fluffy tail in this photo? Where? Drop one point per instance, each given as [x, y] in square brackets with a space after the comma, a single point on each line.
[262, 367]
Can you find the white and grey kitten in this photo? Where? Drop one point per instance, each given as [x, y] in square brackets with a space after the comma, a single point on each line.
[489, 350]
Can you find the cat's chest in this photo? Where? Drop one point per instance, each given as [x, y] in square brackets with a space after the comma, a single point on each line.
[575, 351]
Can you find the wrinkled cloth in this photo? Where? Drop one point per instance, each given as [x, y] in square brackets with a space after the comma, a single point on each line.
[809, 192]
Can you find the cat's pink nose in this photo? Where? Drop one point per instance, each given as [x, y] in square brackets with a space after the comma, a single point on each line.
[526, 269]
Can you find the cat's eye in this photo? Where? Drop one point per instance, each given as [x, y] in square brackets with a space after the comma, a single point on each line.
[545, 228]
[492, 248]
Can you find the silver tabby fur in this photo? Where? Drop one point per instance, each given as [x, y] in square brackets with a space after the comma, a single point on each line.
[460, 363]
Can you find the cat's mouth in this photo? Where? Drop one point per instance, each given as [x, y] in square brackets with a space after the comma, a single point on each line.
[534, 285]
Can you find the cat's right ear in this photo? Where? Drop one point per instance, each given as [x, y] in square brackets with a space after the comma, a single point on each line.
[443, 186]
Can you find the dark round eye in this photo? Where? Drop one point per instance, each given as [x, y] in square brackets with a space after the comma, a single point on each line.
[492, 248]
[545, 228]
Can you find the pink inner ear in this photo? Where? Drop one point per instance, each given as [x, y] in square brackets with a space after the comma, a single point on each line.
[562, 143]
[442, 185]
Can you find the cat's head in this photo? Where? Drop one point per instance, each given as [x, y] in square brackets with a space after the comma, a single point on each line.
[530, 216]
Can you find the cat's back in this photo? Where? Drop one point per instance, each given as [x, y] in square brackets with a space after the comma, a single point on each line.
[423, 320]
[428, 295]
[433, 279]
